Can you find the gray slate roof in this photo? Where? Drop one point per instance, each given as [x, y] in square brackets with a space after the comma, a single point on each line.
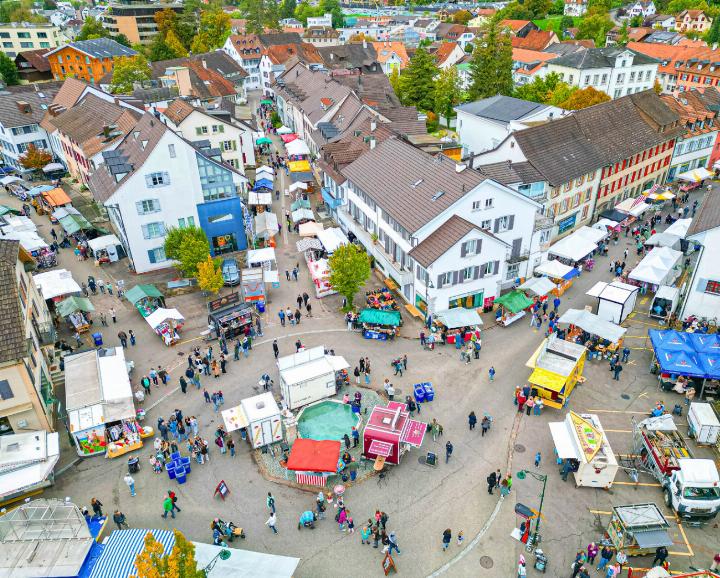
[404, 181]
[99, 48]
[507, 173]
[708, 215]
[13, 345]
[347, 56]
[10, 113]
[599, 58]
[501, 108]
[441, 240]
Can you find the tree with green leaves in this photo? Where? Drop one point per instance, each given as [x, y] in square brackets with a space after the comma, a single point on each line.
[173, 43]
[491, 63]
[713, 35]
[126, 71]
[304, 10]
[549, 89]
[187, 22]
[92, 28]
[213, 31]
[166, 20]
[122, 39]
[462, 17]
[287, 9]
[513, 11]
[417, 81]
[349, 270]
[8, 72]
[189, 247]
[623, 36]
[7, 8]
[595, 27]
[333, 8]
[538, 8]
[565, 23]
[260, 14]
[448, 92]
[158, 50]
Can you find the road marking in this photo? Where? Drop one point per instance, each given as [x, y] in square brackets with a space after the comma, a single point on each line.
[618, 430]
[689, 547]
[647, 485]
[614, 411]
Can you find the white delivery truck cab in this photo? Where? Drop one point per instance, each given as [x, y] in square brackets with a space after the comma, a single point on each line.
[665, 301]
[704, 424]
[693, 491]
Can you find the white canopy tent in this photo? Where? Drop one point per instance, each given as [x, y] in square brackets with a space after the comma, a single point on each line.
[161, 314]
[664, 240]
[266, 225]
[631, 206]
[301, 214]
[679, 228]
[284, 130]
[603, 223]
[100, 243]
[257, 198]
[297, 147]
[264, 175]
[18, 223]
[29, 240]
[593, 324]
[264, 168]
[297, 186]
[53, 167]
[310, 229]
[257, 256]
[695, 175]
[538, 285]
[459, 317]
[554, 269]
[9, 180]
[332, 238]
[658, 267]
[591, 234]
[56, 283]
[573, 247]
[245, 563]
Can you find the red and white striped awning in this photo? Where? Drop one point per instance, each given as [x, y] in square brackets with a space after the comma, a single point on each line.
[380, 448]
[310, 479]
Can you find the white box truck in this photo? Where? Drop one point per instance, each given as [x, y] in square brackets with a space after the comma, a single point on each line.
[704, 424]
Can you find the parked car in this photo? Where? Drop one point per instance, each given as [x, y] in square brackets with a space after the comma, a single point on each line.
[230, 272]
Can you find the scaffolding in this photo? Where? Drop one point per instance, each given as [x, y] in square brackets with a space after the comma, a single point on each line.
[44, 520]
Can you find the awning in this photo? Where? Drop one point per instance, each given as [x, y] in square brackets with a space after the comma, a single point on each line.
[564, 444]
[300, 204]
[632, 206]
[244, 563]
[332, 238]
[4, 210]
[515, 301]
[260, 255]
[307, 455]
[9, 180]
[573, 247]
[308, 244]
[538, 286]
[30, 469]
[286, 138]
[72, 304]
[663, 240]
[72, 223]
[141, 292]
[556, 270]
[413, 432]
[614, 215]
[283, 129]
[337, 362]
[263, 140]
[299, 185]
[695, 175]
[56, 197]
[100, 243]
[53, 167]
[591, 234]
[161, 314]
[264, 169]
[593, 324]
[596, 289]
[264, 174]
[35, 191]
[234, 418]
[310, 229]
[55, 283]
[380, 317]
[331, 201]
[652, 538]
[379, 448]
[301, 214]
[548, 379]
[299, 166]
[459, 317]
[679, 228]
[297, 148]
[255, 198]
[122, 548]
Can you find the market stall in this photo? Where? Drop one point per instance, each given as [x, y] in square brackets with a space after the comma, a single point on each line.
[99, 404]
[266, 225]
[581, 440]
[105, 249]
[76, 310]
[457, 321]
[557, 367]
[607, 226]
[43, 254]
[260, 197]
[320, 275]
[228, 316]
[593, 331]
[378, 324]
[264, 419]
[234, 419]
[301, 216]
[638, 530]
[511, 307]
[145, 298]
[693, 178]
[71, 220]
[632, 206]
[56, 284]
[390, 433]
[167, 323]
[538, 286]
[591, 234]
[286, 138]
[314, 461]
[622, 219]
[559, 273]
[55, 198]
[297, 150]
[658, 267]
[616, 300]
[308, 376]
[310, 229]
[574, 248]
[332, 238]
[300, 204]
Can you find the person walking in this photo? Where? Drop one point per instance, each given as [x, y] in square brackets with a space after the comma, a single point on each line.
[625, 354]
[120, 520]
[491, 373]
[183, 384]
[392, 543]
[661, 554]
[130, 484]
[276, 349]
[122, 336]
[491, 482]
[592, 552]
[270, 501]
[446, 539]
[113, 314]
[538, 457]
[616, 371]
[281, 313]
[485, 425]
[168, 507]
[96, 507]
[365, 534]
[448, 451]
[472, 420]
[355, 437]
[271, 522]
[173, 499]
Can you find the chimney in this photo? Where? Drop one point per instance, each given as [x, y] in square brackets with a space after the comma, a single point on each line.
[373, 125]
[24, 107]
[372, 142]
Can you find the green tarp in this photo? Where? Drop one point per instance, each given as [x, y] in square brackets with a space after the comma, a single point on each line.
[267, 101]
[74, 223]
[141, 292]
[73, 304]
[263, 140]
[4, 210]
[379, 317]
[515, 301]
[300, 204]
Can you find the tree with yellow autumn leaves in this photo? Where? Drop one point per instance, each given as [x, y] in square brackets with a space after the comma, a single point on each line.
[180, 563]
[210, 277]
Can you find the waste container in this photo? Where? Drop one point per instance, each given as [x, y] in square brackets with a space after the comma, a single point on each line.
[170, 467]
[97, 338]
[181, 475]
[429, 391]
[186, 464]
[419, 392]
[261, 306]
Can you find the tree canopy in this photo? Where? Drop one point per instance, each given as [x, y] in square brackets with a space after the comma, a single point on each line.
[8, 72]
[180, 563]
[448, 92]
[595, 27]
[92, 28]
[210, 277]
[417, 81]
[128, 70]
[35, 158]
[491, 64]
[213, 31]
[260, 14]
[582, 98]
[188, 247]
[349, 270]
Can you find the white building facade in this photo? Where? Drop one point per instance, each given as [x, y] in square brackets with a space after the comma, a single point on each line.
[692, 152]
[248, 56]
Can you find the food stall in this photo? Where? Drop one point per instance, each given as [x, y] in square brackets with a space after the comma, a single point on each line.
[228, 316]
[538, 287]
[632, 206]
[167, 323]
[511, 307]
[145, 298]
[593, 331]
[390, 433]
[693, 179]
[581, 440]
[664, 302]
[106, 249]
[75, 310]
[56, 284]
[559, 273]
[308, 376]
[638, 529]
[314, 461]
[557, 367]
[332, 238]
[234, 419]
[379, 324]
[252, 285]
[71, 220]
[659, 267]
[457, 321]
[320, 274]
[616, 300]
[44, 256]
[55, 198]
[264, 419]
[99, 404]
[296, 150]
[266, 225]
[573, 249]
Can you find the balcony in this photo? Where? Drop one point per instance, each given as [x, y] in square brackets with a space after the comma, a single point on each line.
[45, 332]
[542, 222]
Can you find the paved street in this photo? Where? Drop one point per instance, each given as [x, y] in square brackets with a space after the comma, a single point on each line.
[421, 501]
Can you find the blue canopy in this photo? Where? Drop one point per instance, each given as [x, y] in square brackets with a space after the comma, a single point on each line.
[680, 363]
[263, 184]
[691, 354]
[671, 340]
[571, 274]
[35, 191]
[705, 343]
[121, 549]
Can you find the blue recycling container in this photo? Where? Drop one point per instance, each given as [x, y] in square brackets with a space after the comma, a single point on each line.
[429, 391]
[175, 456]
[186, 464]
[170, 470]
[181, 475]
[97, 338]
[261, 306]
[419, 392]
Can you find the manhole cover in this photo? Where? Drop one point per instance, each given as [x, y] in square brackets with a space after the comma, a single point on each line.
[519, 448]
[625, 396]
[486, 562]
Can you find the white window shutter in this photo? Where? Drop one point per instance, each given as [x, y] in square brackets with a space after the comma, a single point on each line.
[478, 246]
[146, 232]
[511, 222]
[139, 206]
[148, 181]
[166, 178]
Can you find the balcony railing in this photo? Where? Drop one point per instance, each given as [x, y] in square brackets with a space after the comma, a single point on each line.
[45, 331]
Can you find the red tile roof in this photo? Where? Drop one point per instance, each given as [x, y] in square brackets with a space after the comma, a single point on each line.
[535, 40]
[515, 25]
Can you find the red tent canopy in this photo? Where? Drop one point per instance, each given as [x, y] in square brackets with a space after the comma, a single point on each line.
[286, 138]
[309, 455]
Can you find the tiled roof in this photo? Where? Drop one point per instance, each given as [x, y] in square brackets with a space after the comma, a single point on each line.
[324, 32]
[708, 215]
[385, 50]
[530, 59]
[304, 52]
[404, 120]
[69, 93]
[14, 113]
[13, 345]
[373, 89]
[36, 58]
[599, 58]
[305, 88]
[535, 40]
[178, 111]
[217, 60]
[98, 48]
[412, 186]
[444, 51]
[514, 25]
[441, 240]
[507, 173]
[279, 38]
[348, 56]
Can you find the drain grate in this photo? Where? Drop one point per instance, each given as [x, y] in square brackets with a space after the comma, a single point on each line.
[519, 448]
[486, 562]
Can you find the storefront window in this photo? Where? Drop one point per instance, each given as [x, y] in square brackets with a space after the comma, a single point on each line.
[468, 301]
[224, 244]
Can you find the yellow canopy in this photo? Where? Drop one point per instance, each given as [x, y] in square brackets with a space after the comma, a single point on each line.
[299, 166]
[548, 380]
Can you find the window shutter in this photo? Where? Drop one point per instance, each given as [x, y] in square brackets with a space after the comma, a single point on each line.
[483, 268]
[146, 232]
[148, 181]
[221, 128]
[198, 130]
[463, 249]
[511, 222]
[440, 279]
[478, 246]
[139, 206]
[163, 231]
[166, 180]
[151, 256]
[496, 267]
[476, 272]
[702, 285]
[496, 226]
[455, 277]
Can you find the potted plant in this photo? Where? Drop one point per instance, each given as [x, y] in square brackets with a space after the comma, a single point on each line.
[374, 238]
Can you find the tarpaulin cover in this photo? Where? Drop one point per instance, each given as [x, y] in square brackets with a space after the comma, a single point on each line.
[515, 301]
[614, 215]
[380, 317]
[53, 167]
[283, 129]
[300, 204]
[265, 169]
[308, 244]
[160, 315]
[556, 270]
[303, 176]
[55, 283]
[308, 455]
[459, 317]
[286, 138]
[35, 191]
[573, 247]
[538, 285]
[298, 185]
[263, 184]
[310, 229]
[72, 304]
[593, 324]
[140, 292]
[705, 342]
[56, 197]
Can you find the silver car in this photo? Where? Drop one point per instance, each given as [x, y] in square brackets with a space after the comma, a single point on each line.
[230, 272]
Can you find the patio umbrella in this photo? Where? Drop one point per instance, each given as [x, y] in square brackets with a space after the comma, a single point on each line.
[267, 101]
[263, 140]
[286, 138]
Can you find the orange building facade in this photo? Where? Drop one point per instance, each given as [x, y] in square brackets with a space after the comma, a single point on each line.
[70, 62]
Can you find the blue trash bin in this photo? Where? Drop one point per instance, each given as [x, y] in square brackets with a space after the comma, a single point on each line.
[175, 456]
[170, 467]
[97, 338]
[419, 392]
[186, 465]
[181, 475]
[261, 306]
[429, 391]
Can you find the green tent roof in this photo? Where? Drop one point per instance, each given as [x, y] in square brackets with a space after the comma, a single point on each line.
[73, 304]
[515, 301]
[380, 317]
[140, 292]
[300, 204]
[74, 223]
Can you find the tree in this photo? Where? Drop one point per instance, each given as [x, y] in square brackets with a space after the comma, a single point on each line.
[657, 87]
[122, 39]
[513, 11]
[180, 563]
[582, 98]
[166, 21]
[303, 11]
[636, 21]
[92, 28]
[491, 64]
[623, 36]
[287, 9]
[448, 92]
[188, 246]
[395, 81]
[210, 277]
[677, 6]
[349, 269]
[34, 158]
[7, 8]
[538, 8]
[158, 50]
[462, 17]
[359, 38]
[188, 21]
[173, 43]
[126, 71]
[260, 14]
[595, 27]
[713, 35]
[8, 71]
[213, 31]
[417, 81]
[333, 8]
[599, 6]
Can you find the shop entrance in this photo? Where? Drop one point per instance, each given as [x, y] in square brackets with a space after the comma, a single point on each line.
[224, 244]
[468, 301]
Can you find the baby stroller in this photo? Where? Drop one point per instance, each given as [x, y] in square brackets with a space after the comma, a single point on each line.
[133, 465]
[307, 519]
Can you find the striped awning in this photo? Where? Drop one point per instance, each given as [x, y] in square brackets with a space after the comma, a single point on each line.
[310, 479]
[121, 549]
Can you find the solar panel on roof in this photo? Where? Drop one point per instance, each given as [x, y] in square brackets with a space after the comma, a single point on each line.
[119, 169]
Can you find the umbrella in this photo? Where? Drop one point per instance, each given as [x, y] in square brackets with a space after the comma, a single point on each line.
[263, 140]
[53, 167]
[267, 101]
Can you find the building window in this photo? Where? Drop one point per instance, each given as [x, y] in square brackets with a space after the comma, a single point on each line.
[148, 206]
[512, 271]
[191, 221]
[201, 130]
[489, 203]
[713, 287]
[477, 205]
[487, 224]
[218, 128]
[23, 35]
[159, 179]
[26, 45]
[171, 150]
[153, 230]
[157, 255]
[42, 34]
[486, 269]
[229, 145]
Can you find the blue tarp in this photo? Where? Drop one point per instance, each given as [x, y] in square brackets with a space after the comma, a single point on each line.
[690, 354]
[263, 184]
[571, 274]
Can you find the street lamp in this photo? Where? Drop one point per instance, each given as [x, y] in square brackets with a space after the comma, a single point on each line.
[541, 478]
[222, 554]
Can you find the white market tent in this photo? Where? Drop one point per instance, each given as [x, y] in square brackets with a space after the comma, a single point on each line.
[53, 167]
[161, 314]
[9, 180]
[27, 460]
[245, 563]
[301, 214]
[538, 285]
[332, 238]
[256, 198]
[29, 240]
[257, 256]
[658, 267]
[56, 283]
[632, 207]
[298, 185]
[459, 317]
[297, 147]
[554, 269]
[310, 229]
[593, 324]
[264, 168]
[19, 223]
[616, 300]
[591, 234]
[264, 175]
[663, 240]
[266, 225]
[695, 175]
[679, 228]
[100, 243]
[573, 247]
[284, 130]
[604, 223]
